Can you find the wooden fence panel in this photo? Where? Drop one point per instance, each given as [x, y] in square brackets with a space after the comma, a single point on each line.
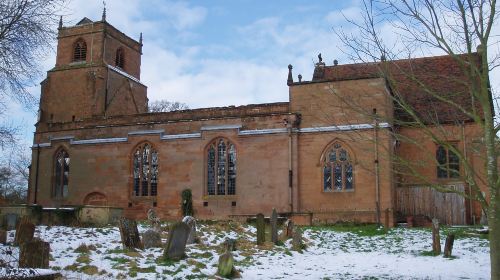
[449, 207]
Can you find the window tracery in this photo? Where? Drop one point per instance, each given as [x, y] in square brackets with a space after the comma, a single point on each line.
[120, 58]
[61, 171]
[221, 168]
[338, 171]
[80, 50]
[145, 171]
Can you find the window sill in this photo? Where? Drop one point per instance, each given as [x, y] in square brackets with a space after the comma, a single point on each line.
[143, 198]
[339, 191]
[220, 197]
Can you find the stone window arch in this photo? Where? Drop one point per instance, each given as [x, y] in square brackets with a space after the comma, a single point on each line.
[61, 173]
[338, 168]
[145, 170]
[221, 167]
[120, 58]
[80, 50]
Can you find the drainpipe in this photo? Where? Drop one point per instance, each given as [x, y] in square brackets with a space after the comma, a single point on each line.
[377, 175]
[36, 174]
[290, 171]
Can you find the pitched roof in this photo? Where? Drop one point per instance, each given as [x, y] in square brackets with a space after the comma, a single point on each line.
[417, 82]
[84, 20]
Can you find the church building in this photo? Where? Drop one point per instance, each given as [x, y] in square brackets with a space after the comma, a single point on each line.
[325, 155]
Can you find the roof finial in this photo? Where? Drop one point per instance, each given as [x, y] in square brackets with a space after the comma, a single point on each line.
[140, 39]
[335, 62]
[300, 78]
[104, 11]
[60, 22]
[320, 58]
[289, 81]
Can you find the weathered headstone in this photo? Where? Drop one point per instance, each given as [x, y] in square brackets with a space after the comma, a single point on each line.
[226, 262]
[130, 234]
[274, 227]
[288, 232]
[191, 222]
[229, 244]
[3, 236]
[24, 232]
[448, 246]
[34, 254]
[10, 221]
[176, 244]
[153, 219]
[436, 241]
[297, 244]
[261, 229]
[151, 239]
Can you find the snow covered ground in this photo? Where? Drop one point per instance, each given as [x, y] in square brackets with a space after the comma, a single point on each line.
[331, 253]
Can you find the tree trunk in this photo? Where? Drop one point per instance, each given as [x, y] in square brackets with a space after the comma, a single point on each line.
[494, 228]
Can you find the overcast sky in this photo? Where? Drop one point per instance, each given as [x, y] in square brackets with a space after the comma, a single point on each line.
[218, 52]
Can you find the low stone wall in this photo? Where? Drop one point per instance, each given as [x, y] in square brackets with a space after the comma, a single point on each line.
[99, 215]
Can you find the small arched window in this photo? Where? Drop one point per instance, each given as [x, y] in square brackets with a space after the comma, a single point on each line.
[221, 168]
[120, 58]
[337, 170]
[145, 171]
[61, 174]
[80, 50]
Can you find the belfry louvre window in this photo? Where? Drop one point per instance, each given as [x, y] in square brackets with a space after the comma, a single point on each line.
[448, 163]
[80, 51]
[221, 168]
[120, 58]
[61, 174]
[145, 165]
[337, 170]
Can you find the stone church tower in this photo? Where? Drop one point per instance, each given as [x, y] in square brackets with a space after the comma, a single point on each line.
[97, 74]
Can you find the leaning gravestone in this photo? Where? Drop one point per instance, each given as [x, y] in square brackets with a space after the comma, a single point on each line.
[261, 229]
[34, 254]
[191, 222]
[288, 229]
[151, 239]
[297, 244]
[448, 246]
[3, 236]
[25, 231]
[129, 234]
[176, 244]
[274, 227]
[153, 219]
[436, 241]
[10, 221]
[225, 267]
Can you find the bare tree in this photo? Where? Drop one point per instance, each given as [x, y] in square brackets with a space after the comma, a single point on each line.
[461, 29]
[166, 106]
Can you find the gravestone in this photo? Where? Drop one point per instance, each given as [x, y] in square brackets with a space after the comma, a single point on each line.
[226, 262]
[24, 232]
[261, 229]
[129, 234]
[151, 239]
[176, 244]
[34, 254]
[448, 246]
[3, 236]
[153, 219]
[436, 241]
[229, 244]
[274, 227]
[297, 244]
[10, 221]
[191, 222]
[288, 232]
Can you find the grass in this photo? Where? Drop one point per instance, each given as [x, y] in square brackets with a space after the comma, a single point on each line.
[358, 229]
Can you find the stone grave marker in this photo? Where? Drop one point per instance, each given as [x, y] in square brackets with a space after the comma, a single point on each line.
[297, 244]
[3, 236]
[151, 239]
[10, 221]
[229, 244]
[226, 264]
[24, 232]
[191, 222]
[153, 219]
[448, 246]
[130, 234]
[436, 241]
[274, 226]
[176, 244]
[288, 232]
[34, 254]
[261, 229]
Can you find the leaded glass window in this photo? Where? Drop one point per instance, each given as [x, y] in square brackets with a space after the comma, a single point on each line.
[448, 163]
[338, 170]
[221, 168]
[61, 174]
[145, 171]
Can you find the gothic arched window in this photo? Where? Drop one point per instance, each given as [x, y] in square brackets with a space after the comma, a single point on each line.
[61, 174]
[221, 168]
[120, 58]
[338, 170]
[145, 171]
[80, 50]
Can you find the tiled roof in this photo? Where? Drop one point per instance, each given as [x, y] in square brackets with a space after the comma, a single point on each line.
[412, 80]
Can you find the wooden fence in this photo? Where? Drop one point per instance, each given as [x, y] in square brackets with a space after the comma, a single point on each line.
[449, 208]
